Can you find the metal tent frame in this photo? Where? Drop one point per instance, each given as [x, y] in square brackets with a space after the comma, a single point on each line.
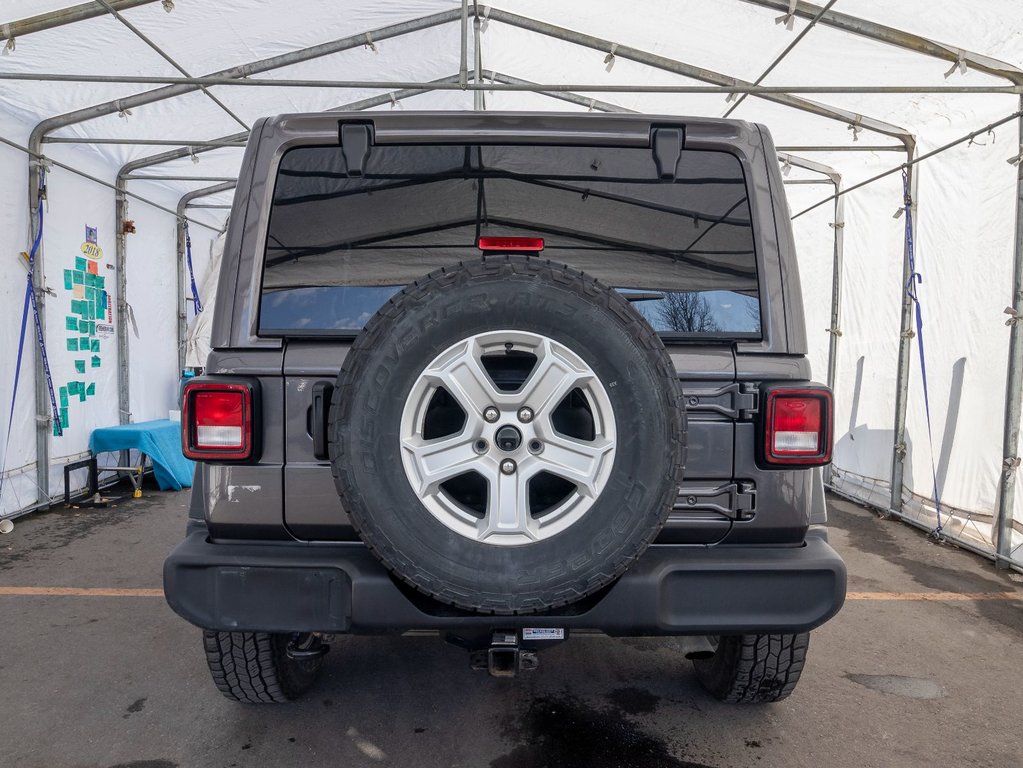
[713, 82]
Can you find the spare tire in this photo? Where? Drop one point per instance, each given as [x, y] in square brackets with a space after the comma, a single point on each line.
[507, 435]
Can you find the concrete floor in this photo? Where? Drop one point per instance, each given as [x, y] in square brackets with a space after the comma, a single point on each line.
[121, 681]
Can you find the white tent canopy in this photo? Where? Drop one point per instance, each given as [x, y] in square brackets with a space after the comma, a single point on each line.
[849, 90]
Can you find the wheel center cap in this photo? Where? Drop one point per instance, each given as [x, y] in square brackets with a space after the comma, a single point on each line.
[508, 438]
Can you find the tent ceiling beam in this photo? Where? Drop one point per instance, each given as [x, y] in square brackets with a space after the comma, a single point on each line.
[738, 87]
[778, 59]
[899, 39]
[699, 73]
[180, 178]
[166, 57]
[62, 16]
[239, 144]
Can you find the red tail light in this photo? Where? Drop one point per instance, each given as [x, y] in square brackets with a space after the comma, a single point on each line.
[510, 244]
[798, 426]
[216, 421]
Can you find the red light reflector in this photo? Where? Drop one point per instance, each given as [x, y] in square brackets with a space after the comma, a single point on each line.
[510, 244]
[798, 426]
[217, 421]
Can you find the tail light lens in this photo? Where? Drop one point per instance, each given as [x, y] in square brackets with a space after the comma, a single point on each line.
[216, 421]
[798, 426]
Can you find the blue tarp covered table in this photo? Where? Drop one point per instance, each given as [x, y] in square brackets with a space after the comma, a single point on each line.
[159, 440]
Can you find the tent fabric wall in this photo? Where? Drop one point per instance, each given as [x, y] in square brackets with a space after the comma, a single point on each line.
[965, 197]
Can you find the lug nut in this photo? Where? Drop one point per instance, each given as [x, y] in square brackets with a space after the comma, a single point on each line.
[535, 446]
[508, 466]
[480, 446]
[525, 415]
[491, 414]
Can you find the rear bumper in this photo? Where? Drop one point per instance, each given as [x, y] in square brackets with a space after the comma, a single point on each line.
[670, 590]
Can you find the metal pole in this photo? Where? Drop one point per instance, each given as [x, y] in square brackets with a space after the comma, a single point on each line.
[915, 161]
[844, 148]
[1013, 388]
[181, 305]
[905, 347]
[145, 142]
[477, 95]
[43, 21]
[180, 178]
[802, 33]
[697, 73]
[838, 224]
[166, 57]
[723, 84]
[898, 38]
[211, 205]
[44, 416]
[463, 61]
[121, 329]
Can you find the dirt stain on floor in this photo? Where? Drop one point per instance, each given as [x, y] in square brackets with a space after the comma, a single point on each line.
[564, 732]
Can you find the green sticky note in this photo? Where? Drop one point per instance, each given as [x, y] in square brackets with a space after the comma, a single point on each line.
[84, 343]
[68, 280]
[63, 418]
[90, 390]
[90, 293]
[92, 327]
[72, 345]
[80, 366]
[78, 277]
[63, 396]
[101, 281]
[80, 263]
[95, 361]
[72, 387]
[95, 345]
[71, 323]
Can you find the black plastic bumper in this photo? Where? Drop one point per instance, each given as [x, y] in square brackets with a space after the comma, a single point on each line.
[670, 590]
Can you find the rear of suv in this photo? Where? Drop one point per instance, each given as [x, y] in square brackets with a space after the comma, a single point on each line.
[507, 377]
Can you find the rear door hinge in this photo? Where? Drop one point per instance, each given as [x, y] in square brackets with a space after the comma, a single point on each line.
[737, 400]
[738, 500]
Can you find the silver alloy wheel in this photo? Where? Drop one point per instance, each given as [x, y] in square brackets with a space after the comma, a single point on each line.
[507, 519]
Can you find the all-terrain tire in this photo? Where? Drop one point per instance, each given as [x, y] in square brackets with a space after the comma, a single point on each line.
[754, 669]
[254, 667]
[514, 294]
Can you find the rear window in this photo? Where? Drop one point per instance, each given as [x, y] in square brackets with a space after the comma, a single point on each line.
[681, 250]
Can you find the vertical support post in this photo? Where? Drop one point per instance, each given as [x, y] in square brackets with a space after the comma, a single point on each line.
[836, 291]
[905, 347]
[463, 66]
[477, 95]
[180, 304]
[121, 328]
[1013, 387]
[44, 415]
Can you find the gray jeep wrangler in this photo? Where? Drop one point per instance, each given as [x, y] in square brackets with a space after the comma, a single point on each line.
[504, 378]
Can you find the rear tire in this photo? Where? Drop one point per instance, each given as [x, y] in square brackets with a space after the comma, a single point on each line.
[254, 667]
[753, 669]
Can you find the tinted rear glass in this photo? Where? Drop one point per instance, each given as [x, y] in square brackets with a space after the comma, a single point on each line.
[682, 250]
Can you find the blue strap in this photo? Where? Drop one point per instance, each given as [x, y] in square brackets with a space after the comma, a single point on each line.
[30, 301]
[191, 274]
[916, 278]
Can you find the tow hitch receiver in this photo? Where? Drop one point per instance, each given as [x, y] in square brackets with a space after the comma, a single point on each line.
[504, 657]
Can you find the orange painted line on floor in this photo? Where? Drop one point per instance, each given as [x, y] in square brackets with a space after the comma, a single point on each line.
[80, 592]
[936, 597]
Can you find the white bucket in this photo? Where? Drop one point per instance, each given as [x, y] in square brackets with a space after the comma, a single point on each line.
[6, 526]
